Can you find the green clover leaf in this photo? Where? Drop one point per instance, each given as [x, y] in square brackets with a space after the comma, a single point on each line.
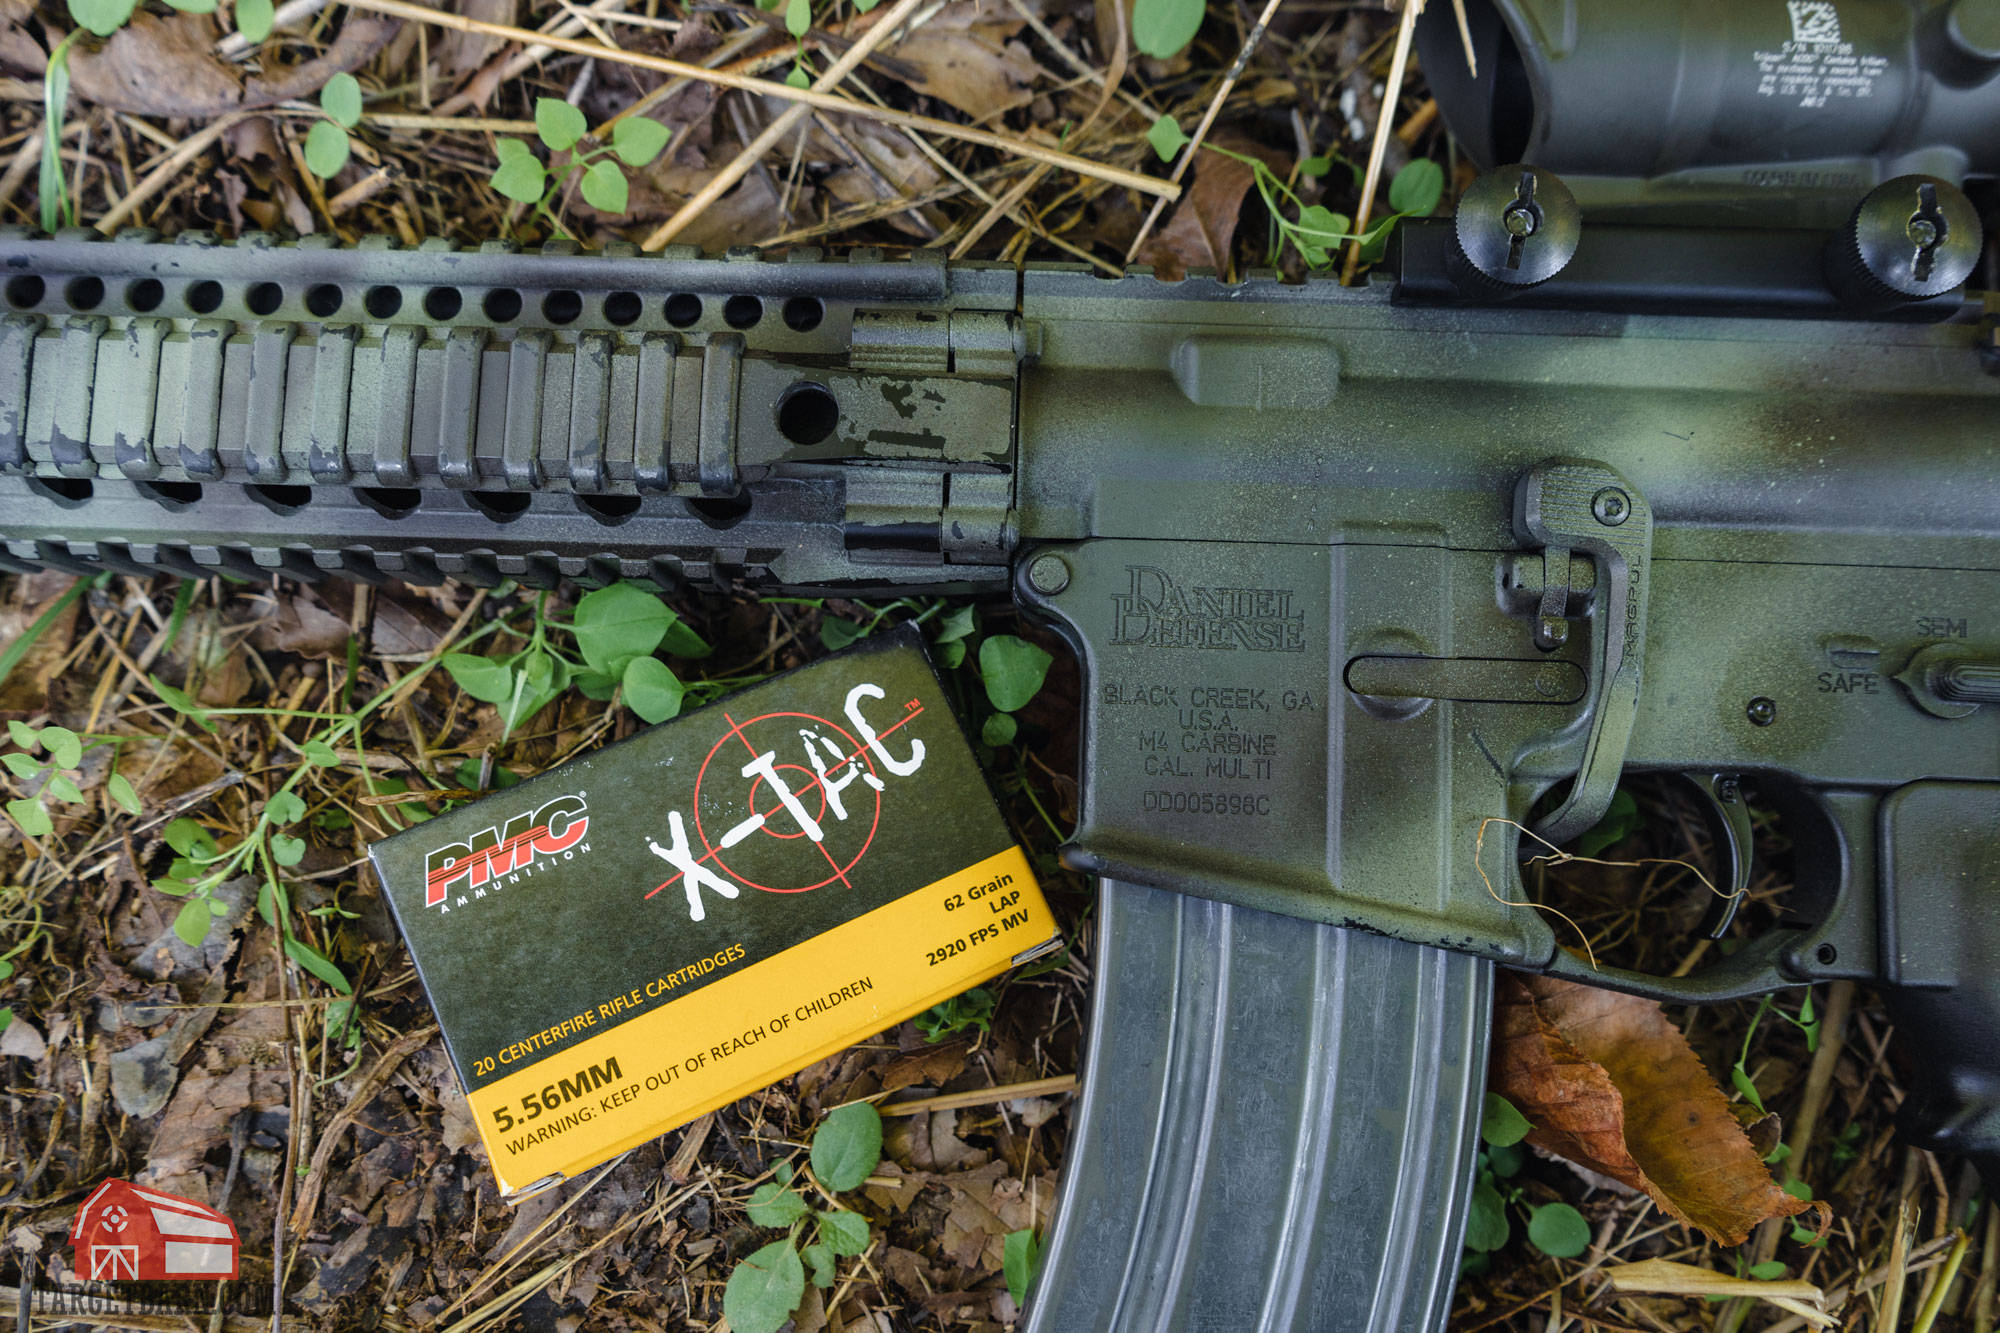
[341, 99]
[1020, 1260]
[192, 923]
[1417, 187]
[123, 792]
[102, 17]
[1166, 138]
[844, 1232]
[614, 625]
[765, 1289]
[254, 19]
[32, 818]
[558, 123]
[773, 1205]
[65, 746]
[638, 140]
[605, 188]
[848, 1146]
[1013, 670]
[1503, 1124]
[1558, 1230]
[652, 690]
[327, 149]
[1160, 28]
[287, 850]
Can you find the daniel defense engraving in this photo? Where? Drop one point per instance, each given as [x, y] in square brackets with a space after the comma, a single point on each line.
[1156, 610]
[655, 929]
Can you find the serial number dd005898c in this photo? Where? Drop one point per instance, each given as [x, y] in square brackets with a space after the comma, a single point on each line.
[1244, 805]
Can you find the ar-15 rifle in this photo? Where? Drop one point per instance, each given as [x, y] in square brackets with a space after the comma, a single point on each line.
[1353, 574]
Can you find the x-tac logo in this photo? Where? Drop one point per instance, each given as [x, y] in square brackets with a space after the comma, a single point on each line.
[520, 846]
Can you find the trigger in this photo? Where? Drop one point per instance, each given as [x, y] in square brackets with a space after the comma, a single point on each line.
[1728, 816]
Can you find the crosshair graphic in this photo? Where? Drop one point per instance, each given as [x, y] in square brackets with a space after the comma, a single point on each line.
[844, 841]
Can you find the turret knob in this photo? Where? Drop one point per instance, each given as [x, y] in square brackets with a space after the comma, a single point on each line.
[1515, 227]
[1910, 239]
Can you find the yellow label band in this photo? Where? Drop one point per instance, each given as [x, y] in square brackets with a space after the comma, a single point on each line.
[661, 1068]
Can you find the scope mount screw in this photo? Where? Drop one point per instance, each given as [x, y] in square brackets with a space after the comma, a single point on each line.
[1611, 506]
[1761, 711]
[1728, 790]
[1048, 574]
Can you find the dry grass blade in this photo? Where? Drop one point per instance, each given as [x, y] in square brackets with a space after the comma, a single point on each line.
[329, 1139]
[1008, 205]
[1663, 1277]
[1392, 91]
[784, 124]
[768, 88]
[951, 1101]
[1935, 1303]
[1899, 1267]
[1193, 146]
[164, 174]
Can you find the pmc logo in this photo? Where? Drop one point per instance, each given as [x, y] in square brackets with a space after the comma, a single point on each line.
[525, 843]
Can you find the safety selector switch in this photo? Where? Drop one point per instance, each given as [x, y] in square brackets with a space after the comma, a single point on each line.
[1515, 228]
[1950, 680]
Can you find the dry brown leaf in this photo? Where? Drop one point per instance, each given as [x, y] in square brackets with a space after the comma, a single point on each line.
[891, 166]
[405, 626]
[745, 214]
[948, 1151]
[212, 647]
[1203, 225]
[963, 56]
[1610, 1084]
[302, 623]
[455, 54]
[162, 770]
[157, 66]
[20, 53]
[934, 1067]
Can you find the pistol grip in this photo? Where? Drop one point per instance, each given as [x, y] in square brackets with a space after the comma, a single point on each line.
[1941, 937]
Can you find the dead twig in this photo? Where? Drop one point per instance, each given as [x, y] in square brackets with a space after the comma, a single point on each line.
[1256, 35]
[786, 122]
[309, 1189]
[165, 173]
[951, 1101]
[1391, 91]
[767, 88]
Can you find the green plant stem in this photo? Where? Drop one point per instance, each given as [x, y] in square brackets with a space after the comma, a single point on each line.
[18, 649]
[1028, 790]
[57, 207]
